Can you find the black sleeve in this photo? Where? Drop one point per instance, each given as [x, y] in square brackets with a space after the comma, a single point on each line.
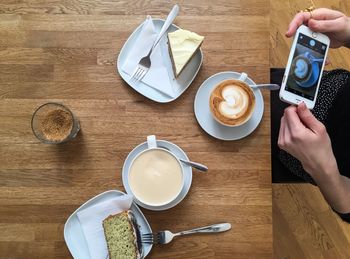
[338, 128]
[343, 216]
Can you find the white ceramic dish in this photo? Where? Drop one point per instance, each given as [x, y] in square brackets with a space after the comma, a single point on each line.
[179, 84]
[176, 151]
[73, 233]
[210, 125]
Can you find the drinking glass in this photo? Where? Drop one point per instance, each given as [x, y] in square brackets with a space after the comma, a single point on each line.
[41, 118]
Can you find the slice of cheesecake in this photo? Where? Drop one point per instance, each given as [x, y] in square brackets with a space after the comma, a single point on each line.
[183, 45]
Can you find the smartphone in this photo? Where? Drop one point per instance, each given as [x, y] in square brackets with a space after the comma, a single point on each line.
[304, 69]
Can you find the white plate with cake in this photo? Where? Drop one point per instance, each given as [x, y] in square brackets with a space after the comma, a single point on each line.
[177, 79]
[74, 234]
[210, 124]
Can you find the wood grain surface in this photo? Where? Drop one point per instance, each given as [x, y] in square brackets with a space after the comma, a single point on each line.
[304, 226]
[65, 51]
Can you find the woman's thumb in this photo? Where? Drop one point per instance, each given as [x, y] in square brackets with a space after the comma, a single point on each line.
[307, 118]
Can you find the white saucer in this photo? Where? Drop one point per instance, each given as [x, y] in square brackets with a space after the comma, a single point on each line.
[174, 149]
[210, 125]
[74, 236]
[179, 84]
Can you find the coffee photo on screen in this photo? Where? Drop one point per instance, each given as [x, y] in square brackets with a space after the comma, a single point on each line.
[306, 67]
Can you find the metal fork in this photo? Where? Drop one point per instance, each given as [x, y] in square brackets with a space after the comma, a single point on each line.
[165, 237]
[145, 62]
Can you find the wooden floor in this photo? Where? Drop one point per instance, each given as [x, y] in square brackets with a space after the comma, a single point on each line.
[303, 224]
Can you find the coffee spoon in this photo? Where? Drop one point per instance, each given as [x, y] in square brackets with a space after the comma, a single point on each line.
[266, 86]
[198, 166]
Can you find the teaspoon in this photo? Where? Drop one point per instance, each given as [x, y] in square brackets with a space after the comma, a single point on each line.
[266, 86]
[198, 166]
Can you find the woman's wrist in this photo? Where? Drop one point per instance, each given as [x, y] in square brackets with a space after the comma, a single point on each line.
[334, 187]
[328, 173]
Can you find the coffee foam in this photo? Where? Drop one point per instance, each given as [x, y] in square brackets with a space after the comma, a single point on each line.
[301, 68]
[232, 102]
[235, 101]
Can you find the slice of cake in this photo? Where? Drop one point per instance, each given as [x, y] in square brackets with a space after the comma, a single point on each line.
[183, 45]
[121, 236]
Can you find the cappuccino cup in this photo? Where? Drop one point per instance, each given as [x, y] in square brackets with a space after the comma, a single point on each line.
[232, 102]
[155, 176]
[305, 69]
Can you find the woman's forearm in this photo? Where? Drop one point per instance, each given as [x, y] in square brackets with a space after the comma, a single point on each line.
[335, 188]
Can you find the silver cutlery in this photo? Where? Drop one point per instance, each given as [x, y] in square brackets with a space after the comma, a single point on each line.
[266, 86]
[196, 165]
[165, 237]
[145, 62]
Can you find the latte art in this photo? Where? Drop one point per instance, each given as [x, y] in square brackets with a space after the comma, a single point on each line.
[235, 101]
[232, 102]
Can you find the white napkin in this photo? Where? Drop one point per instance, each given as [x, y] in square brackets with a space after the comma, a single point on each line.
[91, 222]
[157, 76]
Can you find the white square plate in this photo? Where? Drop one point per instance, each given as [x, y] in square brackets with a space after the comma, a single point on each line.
[179, 84]
[74, 236]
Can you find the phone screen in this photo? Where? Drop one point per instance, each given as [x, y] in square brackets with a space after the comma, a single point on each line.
[306, 66]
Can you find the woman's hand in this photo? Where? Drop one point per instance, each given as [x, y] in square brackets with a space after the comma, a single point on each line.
[305, 138]
[332, 23]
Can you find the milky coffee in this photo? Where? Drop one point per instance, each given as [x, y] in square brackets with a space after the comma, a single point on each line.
[156, 177]
[232, 102]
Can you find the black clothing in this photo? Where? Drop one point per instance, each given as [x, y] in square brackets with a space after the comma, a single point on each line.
[332, 108]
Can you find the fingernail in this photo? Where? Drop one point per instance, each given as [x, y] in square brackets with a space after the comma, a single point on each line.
[302, 106]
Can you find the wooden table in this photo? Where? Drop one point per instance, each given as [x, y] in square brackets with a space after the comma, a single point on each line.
[65, 51]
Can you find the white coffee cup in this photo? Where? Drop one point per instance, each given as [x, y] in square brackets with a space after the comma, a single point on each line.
[156, 176]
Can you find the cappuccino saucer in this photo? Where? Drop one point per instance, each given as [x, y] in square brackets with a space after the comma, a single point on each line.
[177, 151]
[214, 128]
